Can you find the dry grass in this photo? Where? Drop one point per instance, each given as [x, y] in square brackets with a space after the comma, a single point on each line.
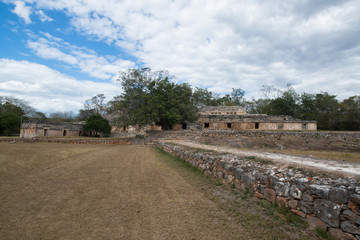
[332, 155]
[64, 191]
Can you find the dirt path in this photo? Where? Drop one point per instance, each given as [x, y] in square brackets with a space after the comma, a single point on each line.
[332, 166]
[62, 191]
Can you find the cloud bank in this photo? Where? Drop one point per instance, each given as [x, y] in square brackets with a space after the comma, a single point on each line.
[46, 89]
[313, 45]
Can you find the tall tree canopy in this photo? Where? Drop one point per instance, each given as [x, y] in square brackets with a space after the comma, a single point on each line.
[151, 97]
[98, 125]
[94, 105]
[10, 118]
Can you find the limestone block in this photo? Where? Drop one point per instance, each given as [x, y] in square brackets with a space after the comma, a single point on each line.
[248, 180]
[351, 216]
[307, 197]
[341, 235]
[229, 178]
[306, 207]
[354, 203]
[293, 204]
[338, 195]
[327, 211]
[314, 223]
[238, 172]
[282, 189]
[349, 227]
[272, 180]
[281, 202]
[295, 192]
[321, 191]
[270, 195]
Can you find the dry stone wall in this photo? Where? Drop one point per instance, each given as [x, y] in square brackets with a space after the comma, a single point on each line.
[108, 141]
[334, 141]
[331, 204]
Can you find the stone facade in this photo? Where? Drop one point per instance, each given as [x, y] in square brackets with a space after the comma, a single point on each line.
[236, 118]
[331, 204]
[35, 129]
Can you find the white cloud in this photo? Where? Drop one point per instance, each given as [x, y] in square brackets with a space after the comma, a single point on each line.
[43, 17]
[46, 89]
[222, 44]
[82, 58]
[22, 11]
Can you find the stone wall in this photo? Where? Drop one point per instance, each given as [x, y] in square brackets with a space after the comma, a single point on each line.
[333, 141]
[34, 129]
[331, 204]
[107, 141]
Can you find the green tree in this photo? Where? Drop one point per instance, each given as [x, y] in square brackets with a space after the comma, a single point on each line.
[203, 97]
[327, 110]
[286, 104]
[307, 107]
[151, 97]
[349, 114]
[98, 125]
[10, 118]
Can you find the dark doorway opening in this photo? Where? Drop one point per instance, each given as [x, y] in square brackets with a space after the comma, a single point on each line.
[184, 126]
[304, 126]
[45, 132]
[64, 133]
[229, 125]
[80, 133]
[256, 125]
[206, 125]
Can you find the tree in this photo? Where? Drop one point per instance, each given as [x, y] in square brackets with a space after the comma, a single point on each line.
[151, 97]
[96, 104]
[98, 125]
[349, 114]
[66, 116]
[202, 97]
[10, 118]
[327, 110]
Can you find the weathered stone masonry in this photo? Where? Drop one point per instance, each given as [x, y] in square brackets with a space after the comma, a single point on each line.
[326, 203]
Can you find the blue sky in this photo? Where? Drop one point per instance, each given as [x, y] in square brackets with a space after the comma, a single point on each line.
[58, 53]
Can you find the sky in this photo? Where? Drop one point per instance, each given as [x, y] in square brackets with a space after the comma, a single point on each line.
[55, 54]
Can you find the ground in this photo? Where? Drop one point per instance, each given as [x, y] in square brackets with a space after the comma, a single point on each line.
[64, 191]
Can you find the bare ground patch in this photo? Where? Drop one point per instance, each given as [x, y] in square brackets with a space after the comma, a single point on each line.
[55, 191]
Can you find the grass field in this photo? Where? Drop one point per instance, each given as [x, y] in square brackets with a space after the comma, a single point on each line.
[63, 191]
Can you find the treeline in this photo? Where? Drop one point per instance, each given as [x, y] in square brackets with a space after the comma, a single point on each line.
[323, 107]
[154, 97]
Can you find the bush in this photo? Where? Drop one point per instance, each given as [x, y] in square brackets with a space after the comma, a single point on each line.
[98, 125]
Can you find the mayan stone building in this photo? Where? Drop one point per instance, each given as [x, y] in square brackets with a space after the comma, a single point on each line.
[35, 129]
[236, 118]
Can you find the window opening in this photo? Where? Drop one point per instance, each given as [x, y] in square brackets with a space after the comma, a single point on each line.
[256, 125]
[206, 125]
